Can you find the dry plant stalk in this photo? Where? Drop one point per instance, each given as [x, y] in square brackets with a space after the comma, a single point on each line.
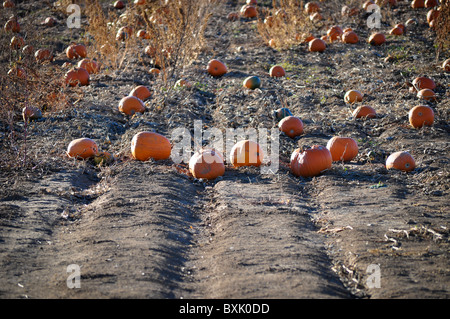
[442, 28]
[176, 30]
[286, 23]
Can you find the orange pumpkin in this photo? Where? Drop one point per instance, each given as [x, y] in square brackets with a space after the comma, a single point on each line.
[17, 42]
[311, 162]
[367, 4]
[246, 153]
[119, 4]
[315, 17]
[141, 92]
[143, 34]
[17, 71]
[418, 4]
[422, 82]
[43, 55]
[292, 126]
[131, 105]
[342, 148]
[334, 33]
[89, 65]
[12, 25]
[426, 94]
[396, 31]
[401, 160]
[350, 37]
[432, 14]
[76, 76]
[31, 113]
[431, 3]
[233, 16]
[364, 111]
[76, 51]
[249, 11]
[277, 71]
[216, 68]
[316, 45]
[146, 145]
[207, 164]
[377, 39]
[82, 148]
[446, 65]
[312, 7]
[421, 115]
[8, 4]
[353, 96]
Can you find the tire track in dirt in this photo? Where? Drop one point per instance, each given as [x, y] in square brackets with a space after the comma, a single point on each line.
[258, 241]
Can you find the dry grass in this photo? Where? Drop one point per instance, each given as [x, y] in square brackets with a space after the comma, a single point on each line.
[443, 29]
[286, 23]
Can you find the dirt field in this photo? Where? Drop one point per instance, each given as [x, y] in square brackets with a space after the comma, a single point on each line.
[150, 230]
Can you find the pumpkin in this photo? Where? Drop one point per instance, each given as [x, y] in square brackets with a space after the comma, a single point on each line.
[146, 145]
[364, 111]
[252, 2]
[43, 55]
[422, 82]
[124, 33]
[139, 2]
[353, 96]
[130, 105]
[312, 7]
[8, 4]
[182, 83]
[252, 82]
[155, 71]
[49, 22]
[310, 162]
[446, 65]
[272, 43]
[281, 113]
[17, 71]
[421, 115]
[396, 31]
[342, 148]
[12, 25]
[248, 11]
[17, 42]
[233, 16]
[143, 34]
[75, 51]
[31, 113]
[76, 76]
[246, 153]
[277, 71]
[401, 26]
[28, 49]
[141, 92]
[315, 17]
[119, 5]
[367, 4]
[82, 148]
[334, 33]
[350, 37]
[316, 45]
[432, 14]
[216, 68]
[89, 65]
[377, 39]
[418, 4]
[207, 164]
[292, 126]
[401, 160]
[426, 94]
[431, 3]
